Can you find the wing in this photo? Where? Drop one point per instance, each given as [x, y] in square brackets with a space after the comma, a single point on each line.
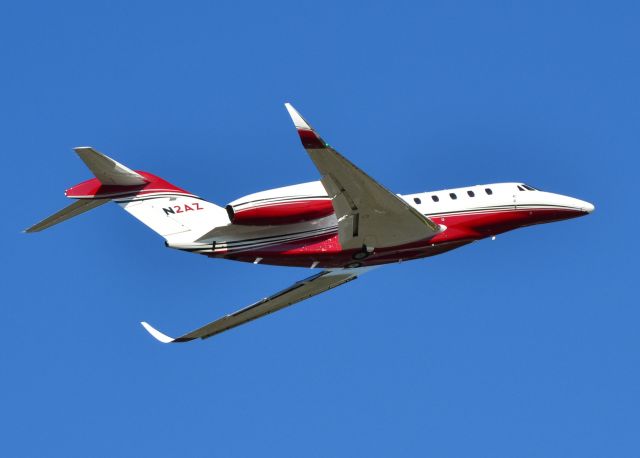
[297, 292]
[368, 214]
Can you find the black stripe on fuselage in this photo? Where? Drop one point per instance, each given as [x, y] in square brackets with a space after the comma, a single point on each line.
[275, 236]
[247, 244]
[281, 199]
[240, 246]
[500, 207]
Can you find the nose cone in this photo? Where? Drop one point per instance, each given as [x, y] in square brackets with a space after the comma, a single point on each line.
[578, 205]
[587, 207]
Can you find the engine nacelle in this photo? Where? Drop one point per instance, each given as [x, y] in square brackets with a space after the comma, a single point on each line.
[289, 205]
[280, 213]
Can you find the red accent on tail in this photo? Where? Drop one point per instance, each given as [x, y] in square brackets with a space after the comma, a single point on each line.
[94, 189]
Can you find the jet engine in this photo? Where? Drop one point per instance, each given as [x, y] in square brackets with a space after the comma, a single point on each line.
[281, 212]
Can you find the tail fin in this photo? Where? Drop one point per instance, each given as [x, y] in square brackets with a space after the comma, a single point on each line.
[172, 212]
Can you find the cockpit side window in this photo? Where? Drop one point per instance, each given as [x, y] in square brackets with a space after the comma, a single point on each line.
[520, 188]
[529, 188]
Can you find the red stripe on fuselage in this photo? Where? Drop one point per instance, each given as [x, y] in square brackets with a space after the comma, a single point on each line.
[462, 228]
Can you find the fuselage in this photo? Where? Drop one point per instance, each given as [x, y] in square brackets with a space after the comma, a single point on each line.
[296, 226]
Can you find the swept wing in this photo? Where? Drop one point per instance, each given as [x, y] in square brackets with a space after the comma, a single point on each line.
[297, 292]
[369, 215]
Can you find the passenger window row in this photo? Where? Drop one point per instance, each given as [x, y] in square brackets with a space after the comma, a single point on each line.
[453, 195]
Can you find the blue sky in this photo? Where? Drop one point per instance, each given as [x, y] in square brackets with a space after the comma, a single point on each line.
[525, 346]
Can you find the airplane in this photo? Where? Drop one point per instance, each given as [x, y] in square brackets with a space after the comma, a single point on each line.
[345, 224]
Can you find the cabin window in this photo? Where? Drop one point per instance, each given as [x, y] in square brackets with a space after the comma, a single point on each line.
[471, 193]
[488, 191]
[453, 195]
[435, 198]
[520, 188]
[417, 200]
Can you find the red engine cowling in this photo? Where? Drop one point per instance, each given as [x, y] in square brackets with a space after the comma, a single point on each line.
[283, 212]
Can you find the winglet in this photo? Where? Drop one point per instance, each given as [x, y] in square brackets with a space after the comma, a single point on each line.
[309, 137]
[297, 119]
[157, 334]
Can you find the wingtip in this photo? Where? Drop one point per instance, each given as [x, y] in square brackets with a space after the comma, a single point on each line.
[297, 119]
[308, 136]
[156, 334]
[79, 149]
[86, 152]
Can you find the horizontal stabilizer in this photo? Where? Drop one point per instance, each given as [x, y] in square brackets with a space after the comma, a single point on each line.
[70, 211]
[108, 171]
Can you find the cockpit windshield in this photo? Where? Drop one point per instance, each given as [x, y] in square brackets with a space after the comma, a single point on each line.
[527, 187]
